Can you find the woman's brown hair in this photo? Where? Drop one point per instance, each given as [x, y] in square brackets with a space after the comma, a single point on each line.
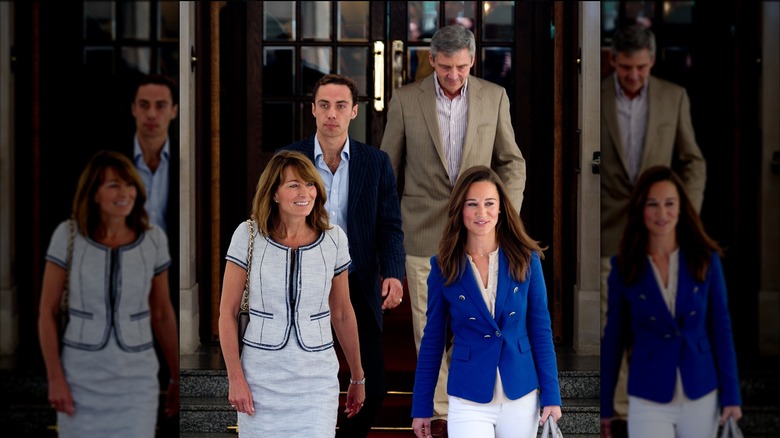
[86, 211]
[510, 232]
[693, 241]
[266, 212]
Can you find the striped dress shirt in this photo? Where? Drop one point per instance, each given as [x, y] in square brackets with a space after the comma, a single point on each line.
[632, 122]
[452, 115]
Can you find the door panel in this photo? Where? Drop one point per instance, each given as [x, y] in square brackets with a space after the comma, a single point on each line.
[278, 50]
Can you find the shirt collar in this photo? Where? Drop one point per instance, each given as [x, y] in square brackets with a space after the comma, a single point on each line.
[440, 92]
[138, 154]
[318, 149]
[619, 89]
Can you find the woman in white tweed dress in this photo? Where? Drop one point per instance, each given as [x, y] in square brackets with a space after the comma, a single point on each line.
[285, 382]
[104, 383]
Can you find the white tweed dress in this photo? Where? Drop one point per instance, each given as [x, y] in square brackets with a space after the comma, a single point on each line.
[108, 356]
[288, 357]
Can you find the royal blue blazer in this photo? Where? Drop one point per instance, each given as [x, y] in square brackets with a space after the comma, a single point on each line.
[518, 341]
[697, 340]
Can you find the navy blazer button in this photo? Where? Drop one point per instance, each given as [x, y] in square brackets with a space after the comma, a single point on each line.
[693, 312]
[515, 291]
[652, 318]
[471, 318]
[487, 336]
[498, 333]
[462, 298]
[667, 336]
[695, 289]
[511, 313]
[642, 297]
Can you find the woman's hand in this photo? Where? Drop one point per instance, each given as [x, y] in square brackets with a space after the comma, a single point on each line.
[240, 396]
[555, 411]
[172, 398]
[606, 428]
[421, 427]
[60, 397]
[356, 396]
[730, 411]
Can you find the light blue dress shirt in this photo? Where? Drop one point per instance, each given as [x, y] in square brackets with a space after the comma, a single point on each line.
[156, 183]
[336, 185]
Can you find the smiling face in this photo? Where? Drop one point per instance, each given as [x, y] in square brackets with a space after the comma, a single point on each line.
[115, 196]
[662, 210]
[153, 110]
[480, 209]
[452, 71]
[294, 196]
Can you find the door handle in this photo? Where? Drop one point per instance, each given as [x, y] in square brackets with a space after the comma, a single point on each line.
[398, 63]
[379, 76]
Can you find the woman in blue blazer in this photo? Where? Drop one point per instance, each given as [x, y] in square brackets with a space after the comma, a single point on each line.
[487, 281]
[667, 304]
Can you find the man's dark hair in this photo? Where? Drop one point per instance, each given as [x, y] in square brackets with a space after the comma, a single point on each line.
[337, 80]
[156, 79]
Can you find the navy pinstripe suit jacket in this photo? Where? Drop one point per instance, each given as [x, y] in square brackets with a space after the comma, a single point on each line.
[376, 240]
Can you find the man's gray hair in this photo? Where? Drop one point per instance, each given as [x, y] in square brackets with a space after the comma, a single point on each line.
[452, 38]
[632, 39]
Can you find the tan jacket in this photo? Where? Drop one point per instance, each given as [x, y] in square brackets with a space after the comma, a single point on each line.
[413, 141]
[669, 141]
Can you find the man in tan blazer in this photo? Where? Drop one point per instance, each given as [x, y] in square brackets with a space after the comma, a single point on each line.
[437, 128]
[645, 121]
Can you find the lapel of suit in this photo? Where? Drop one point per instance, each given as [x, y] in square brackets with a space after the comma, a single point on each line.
[654, 102]
[652, 292]
[469, 284]
[307, 148]
[505, 282]
[609, 109]
[427, 100]
[474, 111]
[357, 174]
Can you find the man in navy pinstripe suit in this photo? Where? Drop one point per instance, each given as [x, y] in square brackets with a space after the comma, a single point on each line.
[362, 200]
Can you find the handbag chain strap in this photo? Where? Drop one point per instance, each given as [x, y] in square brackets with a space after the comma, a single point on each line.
[245, 296]
[68, 262]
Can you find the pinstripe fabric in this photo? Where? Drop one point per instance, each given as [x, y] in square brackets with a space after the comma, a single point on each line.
[632, 122]
[373, 219]
[452, 115]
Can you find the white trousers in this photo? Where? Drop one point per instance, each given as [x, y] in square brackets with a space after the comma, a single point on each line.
[516, 419]
[417, 270]
[685, 419]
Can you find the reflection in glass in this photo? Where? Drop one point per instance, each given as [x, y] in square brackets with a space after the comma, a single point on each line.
[137, 58]
[279, 18]
[168, 21]
[278, 125]
[168, 61]
[99, 60]
[497, 67]
[463, 13]
[609, 17]
[678, 12]
[99, 24]
[498, 21]
[315, 64]
[640, 12]
[278, 71]
[419, 65]
[353, 21]
[358, 125]
[423, 20]
[315, 20]
[353, 62]
[135, 20]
